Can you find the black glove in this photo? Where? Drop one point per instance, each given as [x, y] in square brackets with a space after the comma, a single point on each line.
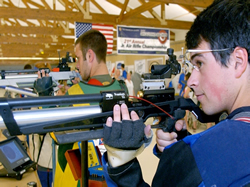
[125, 135]
[124, 141]
[44, 86]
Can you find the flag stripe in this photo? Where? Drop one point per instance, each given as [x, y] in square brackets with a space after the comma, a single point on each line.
[106, 30]
[109, 36]
[102, 27]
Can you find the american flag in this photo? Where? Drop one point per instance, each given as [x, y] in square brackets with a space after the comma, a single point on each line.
[106, 30]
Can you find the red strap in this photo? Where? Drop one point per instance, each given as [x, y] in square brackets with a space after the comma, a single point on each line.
[95, 82]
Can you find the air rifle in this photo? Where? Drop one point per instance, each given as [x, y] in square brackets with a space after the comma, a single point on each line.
[71, 124]
[26, 78]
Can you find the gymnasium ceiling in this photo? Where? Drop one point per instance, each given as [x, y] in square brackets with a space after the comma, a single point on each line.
[41, 28]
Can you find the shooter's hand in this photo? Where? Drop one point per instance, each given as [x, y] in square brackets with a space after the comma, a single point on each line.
[42, 73]
[44, 84]
[77, 79]
[164, 139]
[125, 139]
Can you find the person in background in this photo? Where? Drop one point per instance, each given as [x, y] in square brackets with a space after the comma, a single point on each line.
[118, 75]
[90, 50]
[137, 81]
[178, 84]
[130, 85]
[219, 46]
[181, 84]
[27, 66]
[124, 72]
[41, 145]
[63, 87]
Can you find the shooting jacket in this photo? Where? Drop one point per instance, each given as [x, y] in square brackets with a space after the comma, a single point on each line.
[215, 157]
[63, 173]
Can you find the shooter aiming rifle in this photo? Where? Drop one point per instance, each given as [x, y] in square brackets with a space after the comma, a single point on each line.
[18, 81]
[72, 124]
[26, 78]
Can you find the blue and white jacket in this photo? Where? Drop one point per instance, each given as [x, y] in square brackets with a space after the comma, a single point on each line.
[217, 157]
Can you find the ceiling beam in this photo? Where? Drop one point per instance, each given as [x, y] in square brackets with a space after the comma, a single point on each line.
[35, 30]
[99, 7]
[191, 9]
[198, 3]
[36, 48]
[14, 50]
[35, 4]
[116, 3]
[122, 12]
[34, 40]
[22, 13]
[139, 10]
[46, 34]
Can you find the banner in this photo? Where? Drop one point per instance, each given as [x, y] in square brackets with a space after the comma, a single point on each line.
[135, 40]
[106, 30]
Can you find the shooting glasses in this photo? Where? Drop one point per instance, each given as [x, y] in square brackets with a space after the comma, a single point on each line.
[196, 64]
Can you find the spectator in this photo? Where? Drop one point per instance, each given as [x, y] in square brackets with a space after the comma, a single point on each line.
[27, 66]
[118, 75]
[124, 72]
[130, 85]
[137, 81]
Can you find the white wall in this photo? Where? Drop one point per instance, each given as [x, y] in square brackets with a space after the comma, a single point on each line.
[179, 34]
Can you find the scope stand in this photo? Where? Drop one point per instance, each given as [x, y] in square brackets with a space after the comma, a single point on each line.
[84, 164]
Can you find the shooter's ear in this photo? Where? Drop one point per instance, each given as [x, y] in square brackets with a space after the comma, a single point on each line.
[240, 56]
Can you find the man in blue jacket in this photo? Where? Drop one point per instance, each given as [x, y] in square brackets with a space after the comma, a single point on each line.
[218, 46]
[124, 72]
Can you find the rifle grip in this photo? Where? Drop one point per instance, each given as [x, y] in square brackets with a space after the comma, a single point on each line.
[170, 122]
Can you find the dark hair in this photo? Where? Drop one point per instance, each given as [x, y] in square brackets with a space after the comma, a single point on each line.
[94, 40]
[224, 24]
[41, 65]
[27, 66]
[122, 65]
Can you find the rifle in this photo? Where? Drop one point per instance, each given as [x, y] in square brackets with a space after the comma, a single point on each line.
[26, 78]
[72, 124]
